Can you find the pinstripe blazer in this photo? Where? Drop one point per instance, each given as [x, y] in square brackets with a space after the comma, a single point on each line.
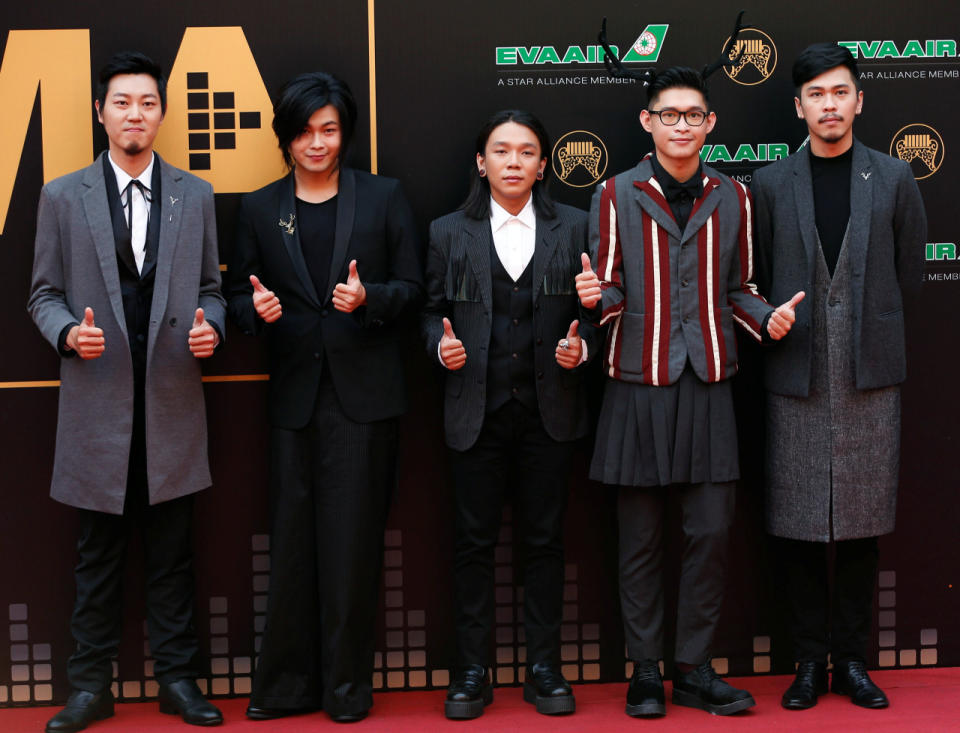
[668, 295]
[460, 287]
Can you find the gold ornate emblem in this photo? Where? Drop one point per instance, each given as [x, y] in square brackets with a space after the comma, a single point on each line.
[921, 146]
[579, 158]
[757, 58]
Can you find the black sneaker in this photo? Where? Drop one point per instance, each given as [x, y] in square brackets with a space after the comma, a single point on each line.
[546, 688]
[702, 688]
[645, 693]
[469, 692]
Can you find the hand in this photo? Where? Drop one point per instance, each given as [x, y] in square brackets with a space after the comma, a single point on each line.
[86, 339]
[349, 296]
[569, 357]
[588, 284]
[266, 303]
[203, 338]
[781, 320]
[452, 353]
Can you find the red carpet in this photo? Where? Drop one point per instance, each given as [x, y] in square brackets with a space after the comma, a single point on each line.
[920, 700]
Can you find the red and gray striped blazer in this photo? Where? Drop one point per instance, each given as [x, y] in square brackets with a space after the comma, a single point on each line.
[672, 296]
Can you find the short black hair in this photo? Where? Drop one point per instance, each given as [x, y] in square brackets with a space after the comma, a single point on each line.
[303, 95]
[477, 204]
[677, 77]
[131, 62]
[821, 57]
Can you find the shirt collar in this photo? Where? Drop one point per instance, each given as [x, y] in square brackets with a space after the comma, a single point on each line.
[123, 178]
[500, 216]
[672, 188]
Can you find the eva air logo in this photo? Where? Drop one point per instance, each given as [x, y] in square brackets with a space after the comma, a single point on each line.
[646, 49]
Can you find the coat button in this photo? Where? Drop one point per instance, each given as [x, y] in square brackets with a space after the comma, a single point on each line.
[323, 313]
[173, 321]
[683, 283]
[317, 356]
[539, 375]
[516, 321]
[539, 342]
[516, 289]
[515, 390]
[515, 356]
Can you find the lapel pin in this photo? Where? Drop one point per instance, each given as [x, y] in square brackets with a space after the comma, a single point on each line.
[288, 225]
[866, 176]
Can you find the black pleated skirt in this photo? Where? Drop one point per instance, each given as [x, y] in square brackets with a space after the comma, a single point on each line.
[685, 432]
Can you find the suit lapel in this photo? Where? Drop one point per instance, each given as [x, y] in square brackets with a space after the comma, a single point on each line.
[861, 205]
[478, 245]
[703, 207]
[289, 232]
[543, 251]
[346, 210]
[97, 211]
[803, 204]
[171, 216]
[650, 197]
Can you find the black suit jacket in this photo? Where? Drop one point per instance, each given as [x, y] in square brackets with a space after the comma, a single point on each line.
[886, 236]
[460, 287]
[376, 228]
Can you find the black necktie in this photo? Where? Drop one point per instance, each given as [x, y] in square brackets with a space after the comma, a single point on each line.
[144, 191]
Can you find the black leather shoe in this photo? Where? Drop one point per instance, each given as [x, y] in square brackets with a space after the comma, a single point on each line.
[851, 678]
[184, 698]
[255, 712]
[468, 694]
[811, 681]
[349, 717]
[702, 688]
[645, 693]
[82, 709]
[545, 688]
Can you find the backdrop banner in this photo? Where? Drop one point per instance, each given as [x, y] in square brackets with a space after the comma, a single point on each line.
[427, 74]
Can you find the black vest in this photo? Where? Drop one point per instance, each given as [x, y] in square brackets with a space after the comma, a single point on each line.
[136, 288]
[511, 367]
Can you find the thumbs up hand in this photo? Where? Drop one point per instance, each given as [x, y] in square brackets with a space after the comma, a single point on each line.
[452, 353]
[203, 338]
[86, 339]
[570, 349]
[266, 303]
[588, 284]
[781, 320]
[349, 296]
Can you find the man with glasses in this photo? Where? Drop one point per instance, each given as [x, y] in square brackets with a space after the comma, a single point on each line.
[671, 272]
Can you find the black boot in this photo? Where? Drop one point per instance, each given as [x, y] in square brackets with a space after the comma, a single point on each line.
[702, 688]
[851, 678]
[469, 692]
[546, 688]
[82, 709]
[645, 693]
[811, 681]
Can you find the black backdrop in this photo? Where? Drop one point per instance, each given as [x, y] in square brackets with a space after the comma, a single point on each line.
[428, 72]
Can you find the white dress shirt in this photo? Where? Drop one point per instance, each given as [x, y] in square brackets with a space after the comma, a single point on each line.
[141, 207]
[514, 237]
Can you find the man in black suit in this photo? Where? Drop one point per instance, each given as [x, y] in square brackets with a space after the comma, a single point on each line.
[501, 317]
[338, 248]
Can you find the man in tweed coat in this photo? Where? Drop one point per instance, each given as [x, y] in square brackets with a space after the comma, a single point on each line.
[126, 288]
[846, 224]
[672, 251]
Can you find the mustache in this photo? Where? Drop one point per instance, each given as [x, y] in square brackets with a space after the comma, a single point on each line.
[838, 118]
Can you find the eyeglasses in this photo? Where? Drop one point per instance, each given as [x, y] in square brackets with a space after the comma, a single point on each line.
[693, 117]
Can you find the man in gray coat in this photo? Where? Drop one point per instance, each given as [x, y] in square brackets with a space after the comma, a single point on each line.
[126, 288]
[845, 224]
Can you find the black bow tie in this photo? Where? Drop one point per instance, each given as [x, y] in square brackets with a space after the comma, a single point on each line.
[690, 190]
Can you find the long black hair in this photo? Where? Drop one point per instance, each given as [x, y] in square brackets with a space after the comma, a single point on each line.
[303, 95]
[477, 204]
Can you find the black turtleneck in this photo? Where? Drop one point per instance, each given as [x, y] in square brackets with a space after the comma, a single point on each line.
[831, 202]
[679, 195]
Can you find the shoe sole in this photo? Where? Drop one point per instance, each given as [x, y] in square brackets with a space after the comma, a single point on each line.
[456, 710]
[687, 699]
[560, 705]
[646, 710]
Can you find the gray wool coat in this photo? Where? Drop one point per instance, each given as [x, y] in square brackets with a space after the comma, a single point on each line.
[75, 266]
[847, 490]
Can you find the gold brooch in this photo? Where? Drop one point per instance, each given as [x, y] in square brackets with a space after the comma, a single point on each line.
[288, 225]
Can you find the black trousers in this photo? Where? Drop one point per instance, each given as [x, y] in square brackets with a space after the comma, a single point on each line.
[707, 511]
[166, 532]
[513, 457]
[331, 487]
[820, 624]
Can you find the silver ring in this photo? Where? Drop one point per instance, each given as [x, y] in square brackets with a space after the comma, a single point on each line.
[564, 344]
